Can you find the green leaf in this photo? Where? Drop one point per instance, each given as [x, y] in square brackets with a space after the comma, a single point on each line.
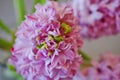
[12, 73]
[4, 44]
[84, 56]
[42, 2]
[11, 67]
[86, 60]
[20, 77]
[19, 10]
[4, 27]
[85, 64]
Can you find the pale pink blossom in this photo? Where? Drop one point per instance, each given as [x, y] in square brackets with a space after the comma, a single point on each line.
[97, 17]
[107, 68]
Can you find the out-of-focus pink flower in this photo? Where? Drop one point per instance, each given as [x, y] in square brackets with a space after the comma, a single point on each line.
[98, 17]
[47, 43]
[107, 68]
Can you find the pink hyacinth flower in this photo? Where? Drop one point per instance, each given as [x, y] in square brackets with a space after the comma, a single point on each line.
[107, 68]
[98, 17]
[47, 43]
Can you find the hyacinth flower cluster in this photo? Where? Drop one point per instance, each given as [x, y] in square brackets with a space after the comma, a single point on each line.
[107, 68]
[98, 17]
[47, 43]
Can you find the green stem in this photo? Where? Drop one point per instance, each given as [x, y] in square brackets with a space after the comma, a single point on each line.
[4, 44]
[85, 56]
[5, 28]
[42, 2]
[86, 60]
[19, 10]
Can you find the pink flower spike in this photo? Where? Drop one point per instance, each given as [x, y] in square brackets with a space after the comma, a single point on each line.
[107, 68]
[97, 18]
[47, 43]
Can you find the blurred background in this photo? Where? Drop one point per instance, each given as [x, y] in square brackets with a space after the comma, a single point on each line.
[93, 48]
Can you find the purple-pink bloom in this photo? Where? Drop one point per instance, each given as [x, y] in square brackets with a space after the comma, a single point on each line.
[107, 68]
[47, 43]
[98, 17]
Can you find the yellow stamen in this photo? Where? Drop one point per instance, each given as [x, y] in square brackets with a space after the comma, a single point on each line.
[49, 53]
[66, 28]
[41, 46]
[50, 37]
[58, 38]
[37, 38]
